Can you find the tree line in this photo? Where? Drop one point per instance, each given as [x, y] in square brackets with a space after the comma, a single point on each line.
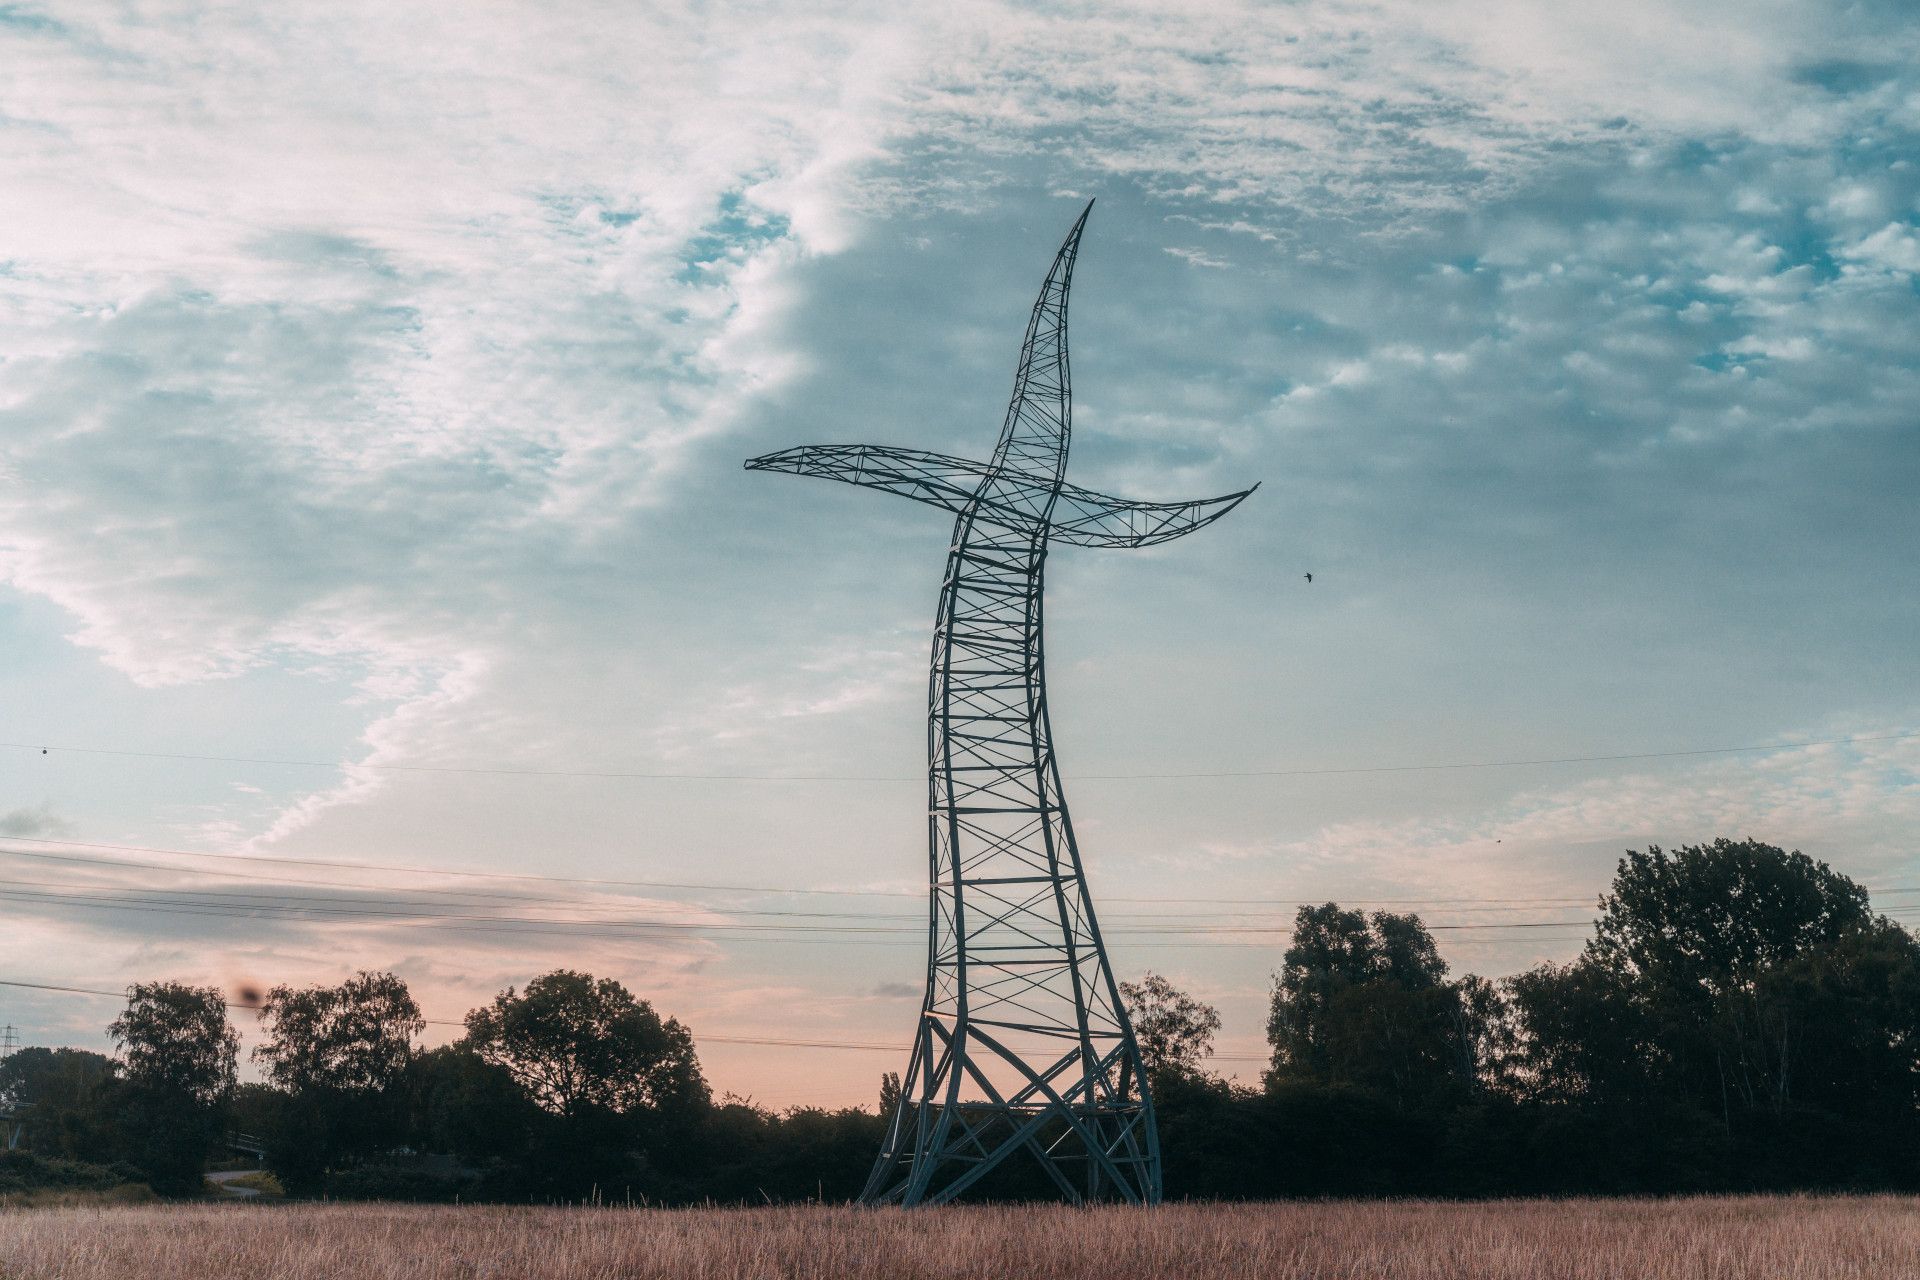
[1740, 1018]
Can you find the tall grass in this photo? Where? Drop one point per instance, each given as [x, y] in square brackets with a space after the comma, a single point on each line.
[1694, 1239]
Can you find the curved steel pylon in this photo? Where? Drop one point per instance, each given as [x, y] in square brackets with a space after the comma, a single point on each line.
[1024, 1043]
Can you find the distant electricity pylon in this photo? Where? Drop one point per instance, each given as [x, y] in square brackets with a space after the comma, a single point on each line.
[11, 1128]
[1024, 1043]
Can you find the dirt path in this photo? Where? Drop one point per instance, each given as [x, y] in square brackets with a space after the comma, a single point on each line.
[225, 1179]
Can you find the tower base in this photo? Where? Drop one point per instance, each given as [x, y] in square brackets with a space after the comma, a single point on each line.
[1085, 1121]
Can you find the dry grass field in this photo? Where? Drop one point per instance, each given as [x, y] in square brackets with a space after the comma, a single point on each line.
[1698, 1239]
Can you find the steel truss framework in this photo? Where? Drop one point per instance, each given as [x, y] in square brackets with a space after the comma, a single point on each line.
[1024, 1043]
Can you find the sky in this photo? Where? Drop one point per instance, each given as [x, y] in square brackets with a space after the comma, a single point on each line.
[375, 380]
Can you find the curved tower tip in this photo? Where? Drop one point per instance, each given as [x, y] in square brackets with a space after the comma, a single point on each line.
[1072, 243]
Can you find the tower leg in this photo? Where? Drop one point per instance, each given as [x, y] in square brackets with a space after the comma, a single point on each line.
[938, 1147]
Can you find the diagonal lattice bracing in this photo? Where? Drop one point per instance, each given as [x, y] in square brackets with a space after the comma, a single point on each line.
[1023, 1047]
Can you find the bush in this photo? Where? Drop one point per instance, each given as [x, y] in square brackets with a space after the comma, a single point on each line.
[23, 1171]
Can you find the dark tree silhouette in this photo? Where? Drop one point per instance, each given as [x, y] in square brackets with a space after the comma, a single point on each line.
[1708, 919]
[62, 1095]
[621, 1087]
[353, 1038]
[178, 1057]
[573, 1042]
[1174, 1030]
[340, 1055]
[1737, 988]
[1364, 1001]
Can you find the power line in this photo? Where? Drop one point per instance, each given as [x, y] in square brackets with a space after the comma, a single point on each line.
[203, 902]
[460, 897]
[646, 775]
[779, 1042]
[468, 874]
[382, 911]
[404, 908]
[464, 897]
[254, 877]
[1455, 903]
[353, 893]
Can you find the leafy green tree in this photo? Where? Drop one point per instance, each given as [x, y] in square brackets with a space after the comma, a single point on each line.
[353, 1038]
[1706, 920]
[1333, 952]
[1363, 1000]
[66, 1097]
[471, 1108]
[620, 1087]
[1699, 944]
[1582, 1036]
[573, 1042]
[1174, 1030]
[1836, 1028]
[1487, 1036]
[178, 1056]
[1737, 985]
[340, 1054]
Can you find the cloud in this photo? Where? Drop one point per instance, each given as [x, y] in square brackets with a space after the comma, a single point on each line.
[1197, 258]
[38, 821]
[476, 317]
[404, 358]
[1894, 247]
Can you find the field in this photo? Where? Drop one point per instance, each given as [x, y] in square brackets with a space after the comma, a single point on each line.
[1711, 1239]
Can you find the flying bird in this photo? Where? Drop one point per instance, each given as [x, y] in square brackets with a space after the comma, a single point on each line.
[1309, 577]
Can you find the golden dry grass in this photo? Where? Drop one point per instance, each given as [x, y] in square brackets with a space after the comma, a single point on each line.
[1699, 1239]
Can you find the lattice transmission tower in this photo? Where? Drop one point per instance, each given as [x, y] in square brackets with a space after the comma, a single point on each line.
[1023, 1044]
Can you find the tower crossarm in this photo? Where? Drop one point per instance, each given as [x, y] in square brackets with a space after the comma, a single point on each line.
[1080, 517]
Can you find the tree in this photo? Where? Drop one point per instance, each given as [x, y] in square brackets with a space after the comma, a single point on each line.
[1334, 952]
[1364, 1001]
[469, 1107]
[353, 1038]
[1727, 959]
[573, 1042]
[619, 1088]
[174, 1038]
[1746, 995]
[66, 1101]
[1174, 1030]
[1836, 1027]
[1707, 919]
[1582, 1037]
[341, 1056]
[1487, 1037]
[178, 1055]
